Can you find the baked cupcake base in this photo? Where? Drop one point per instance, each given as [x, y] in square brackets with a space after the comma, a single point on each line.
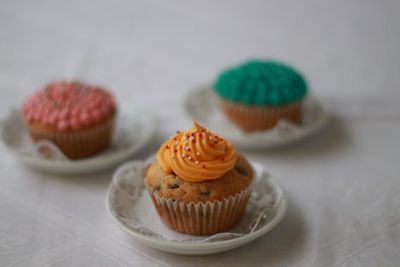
[254, 118]
[202, 218]
[76, 144]
[201, 208]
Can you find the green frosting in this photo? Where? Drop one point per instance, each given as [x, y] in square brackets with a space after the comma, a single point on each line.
[261, 83]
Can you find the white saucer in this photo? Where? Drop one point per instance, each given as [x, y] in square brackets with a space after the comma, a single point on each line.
[130, 206]
[133, 131]
[202, 104]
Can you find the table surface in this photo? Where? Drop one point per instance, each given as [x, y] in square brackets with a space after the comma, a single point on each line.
[343, 184]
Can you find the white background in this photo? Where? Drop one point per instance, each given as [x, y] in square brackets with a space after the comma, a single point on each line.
[343, 184]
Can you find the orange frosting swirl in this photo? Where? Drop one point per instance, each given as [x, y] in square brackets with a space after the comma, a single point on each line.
[197, 155]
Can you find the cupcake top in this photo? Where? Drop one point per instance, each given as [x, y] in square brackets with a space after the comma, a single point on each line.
[197, 155]
[261, 83]
[68, 105]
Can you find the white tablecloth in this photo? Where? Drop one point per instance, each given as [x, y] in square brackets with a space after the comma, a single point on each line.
[343, 184]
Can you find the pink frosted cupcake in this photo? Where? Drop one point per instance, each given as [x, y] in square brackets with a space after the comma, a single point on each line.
[76, 117]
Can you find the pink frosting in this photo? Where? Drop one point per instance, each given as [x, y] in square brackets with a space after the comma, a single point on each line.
[68, 105]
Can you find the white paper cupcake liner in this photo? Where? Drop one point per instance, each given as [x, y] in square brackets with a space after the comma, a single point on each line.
[202, 218]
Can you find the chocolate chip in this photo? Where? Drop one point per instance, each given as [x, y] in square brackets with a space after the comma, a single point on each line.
[205, 192]
[240, 170]
[157, 188]
[173, 186]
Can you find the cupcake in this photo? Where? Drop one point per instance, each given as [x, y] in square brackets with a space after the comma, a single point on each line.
[198, 183]
[257, 94]
[78, 118]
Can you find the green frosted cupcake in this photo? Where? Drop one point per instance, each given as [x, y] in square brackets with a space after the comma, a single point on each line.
[257, 94]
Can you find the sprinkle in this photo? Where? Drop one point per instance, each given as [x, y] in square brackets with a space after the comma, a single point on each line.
[194, 141]
[167, 147]
[183, 155]
[197, 162]
[187, 148]
[198, 153]
[175, 150]
[189, 158]
[210, 137]
[177, 143]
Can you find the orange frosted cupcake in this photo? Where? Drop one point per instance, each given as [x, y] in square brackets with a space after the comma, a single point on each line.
[198, 183]
[76, 117]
